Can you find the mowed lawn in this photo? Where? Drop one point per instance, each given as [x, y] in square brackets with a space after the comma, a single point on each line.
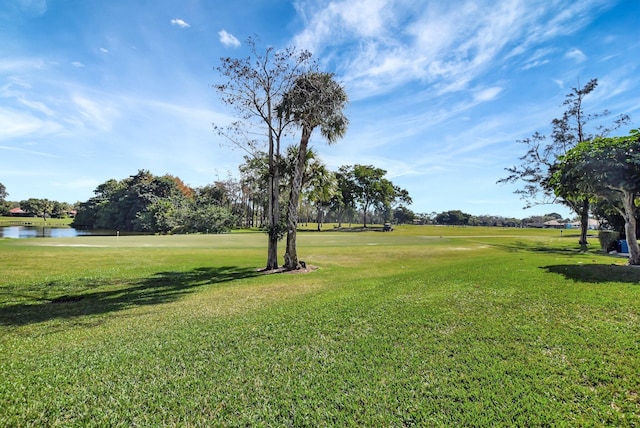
[422, 326]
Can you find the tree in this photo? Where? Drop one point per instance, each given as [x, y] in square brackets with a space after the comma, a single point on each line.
[567, 131]
[403, 215]
[371, 189]
[343, 203]
[453, 218]
[4, 207]
[254, 174]
[608, 168]
[321, 188]
[38, 207]
[141, 203]
[316, 100]
[254, 87]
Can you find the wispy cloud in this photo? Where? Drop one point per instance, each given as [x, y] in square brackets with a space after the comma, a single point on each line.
[228, 39]
[29, 152]
[576, 55]
[446, 45]
[77, 64]
[16, 124]
[180, 23]
[104, 50]
[94, 114]
[487, 94]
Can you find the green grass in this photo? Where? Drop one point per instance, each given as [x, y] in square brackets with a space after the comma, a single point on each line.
[423, 326]
[34, 221]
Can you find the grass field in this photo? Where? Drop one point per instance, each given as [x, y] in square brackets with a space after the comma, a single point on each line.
[34, 221]
[423, 326]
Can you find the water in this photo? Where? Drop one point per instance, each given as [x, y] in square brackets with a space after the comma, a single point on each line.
[19, 232]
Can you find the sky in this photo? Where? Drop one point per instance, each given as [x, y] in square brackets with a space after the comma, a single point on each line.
[440, 92]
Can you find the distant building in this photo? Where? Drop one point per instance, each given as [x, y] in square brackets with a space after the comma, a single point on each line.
[593, 224]
[18, 212]
[555, 224]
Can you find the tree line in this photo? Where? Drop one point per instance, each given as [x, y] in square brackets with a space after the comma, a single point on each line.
[35, 207]
[145, 202]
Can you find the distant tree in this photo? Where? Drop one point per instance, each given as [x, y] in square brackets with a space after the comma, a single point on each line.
[316, 100]
[4, 206]
[567, 131]
[61, 209]
[453, 218]
[141, 203]
[254, 87]
[372, 190]
[403, 214]
[254, 176]
[321, 187]
[343, 202]
[608, 168]
[38, 207]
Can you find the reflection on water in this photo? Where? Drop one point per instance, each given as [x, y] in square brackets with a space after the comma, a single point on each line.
[40, 232]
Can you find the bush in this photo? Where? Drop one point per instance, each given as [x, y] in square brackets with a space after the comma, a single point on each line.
[608, 240]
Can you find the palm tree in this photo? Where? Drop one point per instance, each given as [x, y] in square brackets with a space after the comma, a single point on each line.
[316, 100]
[321, 187]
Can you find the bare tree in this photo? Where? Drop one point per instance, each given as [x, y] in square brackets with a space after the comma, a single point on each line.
[254, 87]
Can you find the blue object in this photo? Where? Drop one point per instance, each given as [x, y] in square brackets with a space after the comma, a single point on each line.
[622, 246]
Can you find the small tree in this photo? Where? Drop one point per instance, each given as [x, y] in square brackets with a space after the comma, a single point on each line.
[315, 101]
[608, 168]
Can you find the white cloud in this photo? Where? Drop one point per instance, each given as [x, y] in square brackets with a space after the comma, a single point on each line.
[14, 124]
[180, 23]
[95, 114]
[77, 64]
[487, 94]
[576, 55]
[448, 45]
[228, 39]
[103, 50]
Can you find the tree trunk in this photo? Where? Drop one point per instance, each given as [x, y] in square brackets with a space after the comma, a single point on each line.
[291, 256]
[630, 228]
[274, 215]
[583, 212]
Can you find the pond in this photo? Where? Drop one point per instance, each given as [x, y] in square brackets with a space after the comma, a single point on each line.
[18, 232]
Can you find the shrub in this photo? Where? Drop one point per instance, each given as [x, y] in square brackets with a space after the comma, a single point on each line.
[608, 239]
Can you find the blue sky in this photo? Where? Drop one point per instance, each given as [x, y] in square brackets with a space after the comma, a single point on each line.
[440, 91]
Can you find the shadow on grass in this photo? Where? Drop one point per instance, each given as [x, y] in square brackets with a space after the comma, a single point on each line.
[597, 273]
[541, 247]
[49, 302]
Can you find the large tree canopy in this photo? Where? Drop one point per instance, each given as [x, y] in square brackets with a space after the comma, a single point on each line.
[608, 168]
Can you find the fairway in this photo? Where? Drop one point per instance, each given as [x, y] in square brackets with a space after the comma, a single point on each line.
[422, 326]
